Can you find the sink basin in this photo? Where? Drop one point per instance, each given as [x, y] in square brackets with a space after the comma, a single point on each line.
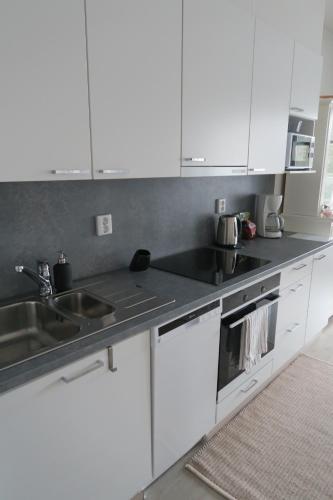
[83, 305]
[29, 327]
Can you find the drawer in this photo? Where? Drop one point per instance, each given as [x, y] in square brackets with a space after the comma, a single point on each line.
[293, 306]
[241, 394]
[296, 271]
[290, 342]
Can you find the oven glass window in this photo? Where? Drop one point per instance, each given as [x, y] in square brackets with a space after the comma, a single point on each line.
[230, 339]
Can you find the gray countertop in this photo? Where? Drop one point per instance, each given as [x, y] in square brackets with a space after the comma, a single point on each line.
[188, 294]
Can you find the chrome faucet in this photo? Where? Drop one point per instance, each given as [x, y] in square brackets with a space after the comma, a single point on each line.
[42, 277]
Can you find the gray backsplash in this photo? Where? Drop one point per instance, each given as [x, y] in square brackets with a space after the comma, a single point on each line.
[162, 215]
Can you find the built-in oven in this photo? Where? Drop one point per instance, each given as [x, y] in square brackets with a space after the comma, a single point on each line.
[300, 151]
[235, 307]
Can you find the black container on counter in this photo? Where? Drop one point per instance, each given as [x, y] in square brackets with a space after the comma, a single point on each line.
[62, 272]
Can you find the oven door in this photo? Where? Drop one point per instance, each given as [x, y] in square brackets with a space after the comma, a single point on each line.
[301, 151]
[230, 339]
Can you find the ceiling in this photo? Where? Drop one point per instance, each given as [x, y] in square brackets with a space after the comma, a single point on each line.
[329, 15]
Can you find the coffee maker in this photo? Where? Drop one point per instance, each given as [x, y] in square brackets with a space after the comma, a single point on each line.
[269, 222]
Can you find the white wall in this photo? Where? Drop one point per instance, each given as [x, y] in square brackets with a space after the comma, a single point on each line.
[327, 76]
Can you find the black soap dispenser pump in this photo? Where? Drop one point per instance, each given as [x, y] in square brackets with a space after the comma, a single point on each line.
[62, 273]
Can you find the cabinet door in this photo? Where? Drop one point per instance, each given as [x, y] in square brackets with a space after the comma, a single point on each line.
[217, 75]
[82, 432]
[134, 53]
[44, 119]
[321, 295]
[305, 91]
[272, 70]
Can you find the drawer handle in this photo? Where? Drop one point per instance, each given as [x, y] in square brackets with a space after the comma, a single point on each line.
[321, 257]
[293, 328]
[299, 267]
[95, 366]
[298, 287]
[257, 170]
[70, 172]
[295, 108]
[250, 386]
[112, 366]
[114, 171]
[197, 159]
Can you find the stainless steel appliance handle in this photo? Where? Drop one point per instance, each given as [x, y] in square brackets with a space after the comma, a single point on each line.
[321, 257]
[112, 366]
[298, 268]
[74, 171]
[113, 171]
[250, 386]
[295, 108]
[95, 366]
[293, 328]
[238, 322]
[196, 159]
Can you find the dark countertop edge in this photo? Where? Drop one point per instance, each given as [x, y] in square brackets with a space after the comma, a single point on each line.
[43, 364]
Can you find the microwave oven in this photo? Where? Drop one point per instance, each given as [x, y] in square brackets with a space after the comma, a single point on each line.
[300, 151]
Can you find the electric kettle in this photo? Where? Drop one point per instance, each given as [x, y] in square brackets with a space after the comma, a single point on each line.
[228, 231]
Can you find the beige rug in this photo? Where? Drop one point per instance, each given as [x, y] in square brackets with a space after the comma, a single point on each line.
[280, 446]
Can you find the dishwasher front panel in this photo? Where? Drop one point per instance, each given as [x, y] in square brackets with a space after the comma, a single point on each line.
[184, 381]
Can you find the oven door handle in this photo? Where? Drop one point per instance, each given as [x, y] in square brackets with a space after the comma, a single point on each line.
[238, 322]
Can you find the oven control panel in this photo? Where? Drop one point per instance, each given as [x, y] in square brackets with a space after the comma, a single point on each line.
[249, 293]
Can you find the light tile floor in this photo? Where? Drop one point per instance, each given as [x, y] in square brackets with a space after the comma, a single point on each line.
[179, 484]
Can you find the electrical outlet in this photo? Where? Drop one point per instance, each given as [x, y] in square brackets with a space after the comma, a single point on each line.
[220, 205]
[103, 224]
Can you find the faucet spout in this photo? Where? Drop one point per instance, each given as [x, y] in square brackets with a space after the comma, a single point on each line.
[42, 277]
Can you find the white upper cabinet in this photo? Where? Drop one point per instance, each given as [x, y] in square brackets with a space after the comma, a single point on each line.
[302, 20]
[273, 59]
[134, 58]
[44, 118]
[217, 73]
[306, 81]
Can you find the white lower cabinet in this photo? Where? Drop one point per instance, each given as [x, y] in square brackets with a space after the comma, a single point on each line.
[82, 432]
[291, 322]
[321, 296]
[231, 402]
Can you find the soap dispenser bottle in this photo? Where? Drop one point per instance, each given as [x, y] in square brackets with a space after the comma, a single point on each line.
[62, 273]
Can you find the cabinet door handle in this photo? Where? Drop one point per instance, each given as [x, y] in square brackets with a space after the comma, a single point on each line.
[298, 268]
[257, 170]
[293, 328]
[196, 159]
[113, 171]
[321, 257]
[112, 366]
[295, 108]
[74, 171]
[298, 287]
[250, 386]
[95, 366]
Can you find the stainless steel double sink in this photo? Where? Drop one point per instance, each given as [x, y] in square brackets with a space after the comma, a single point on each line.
[31, 327]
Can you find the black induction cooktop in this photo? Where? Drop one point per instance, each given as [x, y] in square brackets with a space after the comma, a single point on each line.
[210, 265]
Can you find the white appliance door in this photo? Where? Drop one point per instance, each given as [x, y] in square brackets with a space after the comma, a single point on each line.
[185, 366]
